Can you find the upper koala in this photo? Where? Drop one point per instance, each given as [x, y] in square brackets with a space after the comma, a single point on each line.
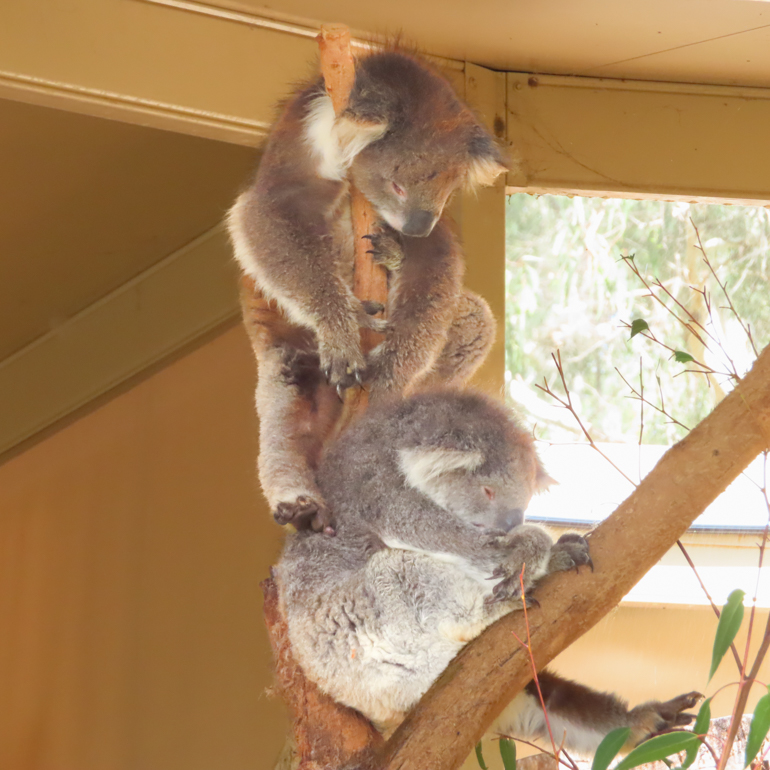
[408, 142]
[430, 494]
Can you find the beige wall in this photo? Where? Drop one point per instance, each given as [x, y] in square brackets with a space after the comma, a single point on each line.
[133, 543]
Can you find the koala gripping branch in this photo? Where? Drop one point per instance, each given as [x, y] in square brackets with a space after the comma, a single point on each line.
[442, 730]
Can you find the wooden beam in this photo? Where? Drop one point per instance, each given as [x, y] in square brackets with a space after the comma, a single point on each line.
[589, 136]
[189, 294]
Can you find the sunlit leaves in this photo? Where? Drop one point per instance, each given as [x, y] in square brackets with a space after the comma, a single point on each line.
[658, 748]
[760, 724]
[508, 753]
[608, 749]
[729, 622]
[701, 727]
[638, 325]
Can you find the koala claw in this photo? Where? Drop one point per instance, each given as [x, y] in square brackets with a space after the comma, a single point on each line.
[570, 552]
[386, 251]
[305, 513]
[657, 717]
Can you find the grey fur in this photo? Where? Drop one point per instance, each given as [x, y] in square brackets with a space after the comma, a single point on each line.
[404, 130]
[376, 613]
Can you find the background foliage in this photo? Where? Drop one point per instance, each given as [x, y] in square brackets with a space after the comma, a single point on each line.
[567, 287]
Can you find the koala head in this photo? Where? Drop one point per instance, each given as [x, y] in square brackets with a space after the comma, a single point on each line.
[483, 467]
[415, 141]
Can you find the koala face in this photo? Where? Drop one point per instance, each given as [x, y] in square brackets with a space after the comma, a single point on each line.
[409, 188]
[463, 483]
[409, 194]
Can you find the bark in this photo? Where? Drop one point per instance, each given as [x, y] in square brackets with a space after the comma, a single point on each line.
[444, 727]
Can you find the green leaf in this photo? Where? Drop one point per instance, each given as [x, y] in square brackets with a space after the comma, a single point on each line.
[760, 724]
[608, 749]
[657, 748]
[701, 727]
[638, 325]
[682, 358]
[508, 753]
[480, 757]
[729, 622]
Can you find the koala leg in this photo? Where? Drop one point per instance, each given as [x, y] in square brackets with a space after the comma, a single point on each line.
[582, 717]
[296, 410]
[469, 340]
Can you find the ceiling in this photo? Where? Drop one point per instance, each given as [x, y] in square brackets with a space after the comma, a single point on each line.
[689, 41]
[89, 203]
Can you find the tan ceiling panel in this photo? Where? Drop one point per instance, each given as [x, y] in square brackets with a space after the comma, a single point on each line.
[720, 41]
[90, 203]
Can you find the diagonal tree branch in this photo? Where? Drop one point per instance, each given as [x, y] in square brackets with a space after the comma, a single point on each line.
[444, 727]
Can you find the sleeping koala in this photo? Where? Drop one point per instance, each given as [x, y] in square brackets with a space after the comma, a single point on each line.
[430, 493]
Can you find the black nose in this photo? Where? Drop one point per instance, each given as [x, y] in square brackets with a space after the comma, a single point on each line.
[419, 223]
[509, 519]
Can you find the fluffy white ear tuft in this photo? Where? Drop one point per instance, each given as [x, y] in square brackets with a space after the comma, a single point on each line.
[483, 171]
[334, 141]
[421, 466]
[542, 480]
[354, 135]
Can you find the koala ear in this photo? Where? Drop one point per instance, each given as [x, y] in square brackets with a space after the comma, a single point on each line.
[354, 134]
[486, 161]
[421, 466]
[542, 480]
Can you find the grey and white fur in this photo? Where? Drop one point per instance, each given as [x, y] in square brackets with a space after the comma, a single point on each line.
[408, 143]
[430, 493]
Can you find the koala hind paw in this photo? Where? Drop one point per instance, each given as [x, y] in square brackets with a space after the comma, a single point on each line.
[660, 716]
[570, 552]
[305, 513]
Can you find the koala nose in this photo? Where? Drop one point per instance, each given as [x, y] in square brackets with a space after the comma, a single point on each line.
[419, 223]
[509, 519]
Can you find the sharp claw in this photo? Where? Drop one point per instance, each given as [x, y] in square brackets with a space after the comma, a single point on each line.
[359, 378]
[327, 373]
[370, 251]
[532, 602]
[368, 237]
[590, 563]
[340, 392]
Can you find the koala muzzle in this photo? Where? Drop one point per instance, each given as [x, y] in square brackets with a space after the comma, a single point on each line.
[419, 223]
[508, 519]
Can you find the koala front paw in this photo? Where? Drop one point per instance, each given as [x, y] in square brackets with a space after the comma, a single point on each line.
[569, 552]
[343, 368]
[370, 308]
[386, 251]
[659, 716]
[305, 513]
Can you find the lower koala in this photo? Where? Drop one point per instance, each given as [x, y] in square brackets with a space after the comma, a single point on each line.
[430, 493]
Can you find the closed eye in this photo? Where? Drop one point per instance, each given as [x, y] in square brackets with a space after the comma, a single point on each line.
[399, 191]
[489, 492]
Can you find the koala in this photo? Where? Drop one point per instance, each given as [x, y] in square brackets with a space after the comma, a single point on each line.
[408, 143]
[430, 493]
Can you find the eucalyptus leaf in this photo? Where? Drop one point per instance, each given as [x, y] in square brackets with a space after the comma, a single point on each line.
[760, 724]
[682, 358]
[729, 622]
[608, 749]
[701, 727]
[508, 753]
[658, 748]
[638, 325]
[480, 757]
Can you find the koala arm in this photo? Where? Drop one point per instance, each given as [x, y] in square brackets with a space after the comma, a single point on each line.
[421, 306]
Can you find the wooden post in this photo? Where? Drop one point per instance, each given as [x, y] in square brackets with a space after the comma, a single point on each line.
[326, 735]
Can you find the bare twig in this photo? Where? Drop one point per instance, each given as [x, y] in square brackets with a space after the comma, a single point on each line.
[746, 328]
[567, 404]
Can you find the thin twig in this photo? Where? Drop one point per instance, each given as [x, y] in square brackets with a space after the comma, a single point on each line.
[708, 596]
[745, 327]
[569, 406]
